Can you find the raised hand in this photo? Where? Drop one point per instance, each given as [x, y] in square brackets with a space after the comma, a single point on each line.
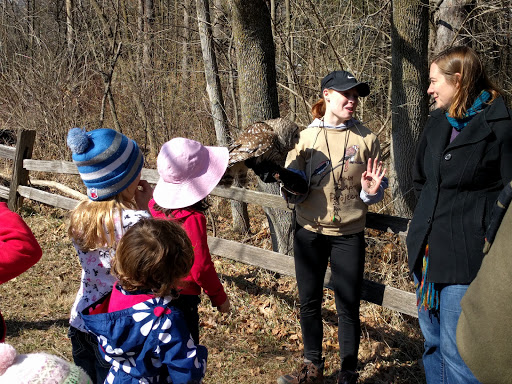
[143, 194]
[372, 177]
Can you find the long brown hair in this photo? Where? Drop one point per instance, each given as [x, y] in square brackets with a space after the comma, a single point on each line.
[154, 254]
[473, 79]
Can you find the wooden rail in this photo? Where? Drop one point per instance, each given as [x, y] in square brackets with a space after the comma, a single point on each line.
[373, 292]
[381, 222]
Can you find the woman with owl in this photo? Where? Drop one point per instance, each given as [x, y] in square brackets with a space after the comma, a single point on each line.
[339, 159]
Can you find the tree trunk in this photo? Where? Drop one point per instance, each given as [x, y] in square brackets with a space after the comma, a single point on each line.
[185, 46]
[273, 16]
[148, 75]
[240, 216]
[144, 97]
[140, 32]
[255, 60]
[292, 104]
[232, 85]
[69, 28]
[409, 43]
[218, 14]
[257, 86]
[31, 25]
[211, 72]
[450, 18]
[147, 48]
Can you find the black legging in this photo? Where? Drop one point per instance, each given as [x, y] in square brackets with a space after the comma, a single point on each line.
[346, 254]
[188, 305]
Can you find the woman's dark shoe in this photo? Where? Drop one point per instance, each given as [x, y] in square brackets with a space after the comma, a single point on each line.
[308, 373]
[347, 377]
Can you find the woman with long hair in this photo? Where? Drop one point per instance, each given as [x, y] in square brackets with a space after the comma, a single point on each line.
[463, 161]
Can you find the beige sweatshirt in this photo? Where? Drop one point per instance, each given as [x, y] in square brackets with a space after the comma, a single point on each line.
[329, 210]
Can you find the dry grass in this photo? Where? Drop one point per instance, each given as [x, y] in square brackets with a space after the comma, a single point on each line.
[256, 343]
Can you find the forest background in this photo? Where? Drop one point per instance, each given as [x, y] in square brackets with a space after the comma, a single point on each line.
[157, 69]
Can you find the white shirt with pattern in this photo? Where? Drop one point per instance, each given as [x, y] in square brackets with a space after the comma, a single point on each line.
[96, 279]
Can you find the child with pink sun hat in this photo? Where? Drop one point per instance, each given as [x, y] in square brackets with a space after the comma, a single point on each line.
[188, 173]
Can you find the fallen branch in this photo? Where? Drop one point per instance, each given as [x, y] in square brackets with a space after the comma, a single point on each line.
[61, 187]
[53, 184]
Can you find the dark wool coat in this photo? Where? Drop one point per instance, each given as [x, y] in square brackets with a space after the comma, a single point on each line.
[457, 184]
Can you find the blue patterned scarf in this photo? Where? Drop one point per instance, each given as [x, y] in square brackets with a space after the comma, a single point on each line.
[477, 106]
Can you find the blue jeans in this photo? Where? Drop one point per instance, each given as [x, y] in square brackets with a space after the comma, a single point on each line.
[87, 356]
[441, 359]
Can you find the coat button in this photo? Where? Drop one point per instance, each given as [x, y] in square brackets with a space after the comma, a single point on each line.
[429, 220]
[448, 156]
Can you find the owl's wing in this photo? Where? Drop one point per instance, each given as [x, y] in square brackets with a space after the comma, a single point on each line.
[254, 141]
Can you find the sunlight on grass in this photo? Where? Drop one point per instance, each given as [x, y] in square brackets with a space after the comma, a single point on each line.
[259, 341]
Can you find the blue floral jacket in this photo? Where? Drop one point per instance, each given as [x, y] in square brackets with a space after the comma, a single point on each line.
[146, 343]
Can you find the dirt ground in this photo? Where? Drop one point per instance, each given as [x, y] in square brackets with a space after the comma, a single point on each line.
[257, 342]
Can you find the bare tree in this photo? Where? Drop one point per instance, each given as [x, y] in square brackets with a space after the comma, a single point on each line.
[211, 71]
[256, 60]
[239, 212]
[147, 68]
[69, 27]
[185, 45]
[450, 16]
[258, 91]
[141, 88]
[292, 105]
[409, 44]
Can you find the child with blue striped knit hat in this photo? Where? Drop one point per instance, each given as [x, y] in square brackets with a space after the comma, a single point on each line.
[110, 165]
[107, 160]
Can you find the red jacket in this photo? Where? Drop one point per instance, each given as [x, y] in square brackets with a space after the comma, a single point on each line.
[203, 274]
[19, 249]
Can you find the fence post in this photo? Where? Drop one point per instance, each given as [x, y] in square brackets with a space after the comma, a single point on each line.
[24, 144]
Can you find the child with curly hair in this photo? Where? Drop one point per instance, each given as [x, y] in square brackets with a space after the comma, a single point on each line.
[141, 334]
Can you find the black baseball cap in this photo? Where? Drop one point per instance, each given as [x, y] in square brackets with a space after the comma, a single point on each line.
[342, 81]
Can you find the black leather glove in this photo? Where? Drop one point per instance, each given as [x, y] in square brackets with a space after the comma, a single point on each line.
[270, 172]
[264, 169]
[291, 181]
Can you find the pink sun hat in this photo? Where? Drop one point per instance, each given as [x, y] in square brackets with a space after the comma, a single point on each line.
[188, 172]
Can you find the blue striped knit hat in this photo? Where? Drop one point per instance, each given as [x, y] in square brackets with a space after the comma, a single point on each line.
[108, 161]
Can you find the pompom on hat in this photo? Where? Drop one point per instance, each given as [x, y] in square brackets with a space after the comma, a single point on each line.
[38, 368]
[188, 172]
[107, 160]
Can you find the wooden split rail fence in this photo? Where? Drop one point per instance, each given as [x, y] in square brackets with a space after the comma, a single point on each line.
[374, 292]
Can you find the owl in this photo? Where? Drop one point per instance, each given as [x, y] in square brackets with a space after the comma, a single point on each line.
[265, 142]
